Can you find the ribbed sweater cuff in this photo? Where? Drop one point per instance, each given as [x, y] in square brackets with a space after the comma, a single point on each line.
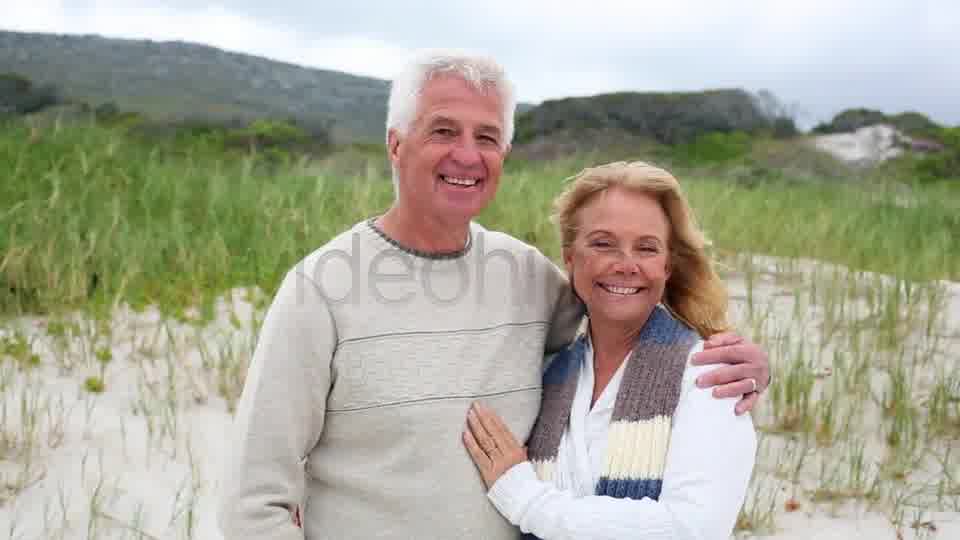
[513, 491]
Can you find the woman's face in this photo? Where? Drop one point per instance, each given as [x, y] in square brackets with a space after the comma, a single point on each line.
[619, 259]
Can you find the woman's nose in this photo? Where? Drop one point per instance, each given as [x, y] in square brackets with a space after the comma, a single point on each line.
[626, 265]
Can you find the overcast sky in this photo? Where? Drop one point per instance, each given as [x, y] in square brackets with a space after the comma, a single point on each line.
[820, 56]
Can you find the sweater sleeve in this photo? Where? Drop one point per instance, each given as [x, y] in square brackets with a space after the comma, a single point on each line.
[279, 415]
[708, 469]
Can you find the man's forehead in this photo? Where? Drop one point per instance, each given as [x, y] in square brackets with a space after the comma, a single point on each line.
[444, 117]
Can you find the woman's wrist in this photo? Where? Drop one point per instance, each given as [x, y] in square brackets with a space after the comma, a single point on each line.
[512, 492]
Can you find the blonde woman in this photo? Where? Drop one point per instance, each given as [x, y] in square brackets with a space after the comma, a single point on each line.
[626, 445]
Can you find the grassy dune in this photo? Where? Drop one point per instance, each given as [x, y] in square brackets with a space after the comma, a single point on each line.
[850, 287]
[91, 216]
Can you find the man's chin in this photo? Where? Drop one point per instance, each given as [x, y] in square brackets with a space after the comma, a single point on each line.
[465, 209]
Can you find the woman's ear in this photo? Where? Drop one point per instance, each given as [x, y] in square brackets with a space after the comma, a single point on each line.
[567, 254]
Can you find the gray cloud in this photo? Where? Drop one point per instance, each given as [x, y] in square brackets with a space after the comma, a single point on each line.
[822, 56]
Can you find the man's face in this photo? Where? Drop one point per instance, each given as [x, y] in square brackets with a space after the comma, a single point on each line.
[450, 160]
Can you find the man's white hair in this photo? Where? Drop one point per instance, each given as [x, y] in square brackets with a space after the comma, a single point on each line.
[481, 72]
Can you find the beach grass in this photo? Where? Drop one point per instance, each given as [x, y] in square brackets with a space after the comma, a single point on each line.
[134, 274]
[96, 216]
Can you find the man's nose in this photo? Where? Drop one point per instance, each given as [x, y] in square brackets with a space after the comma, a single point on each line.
[466, 153]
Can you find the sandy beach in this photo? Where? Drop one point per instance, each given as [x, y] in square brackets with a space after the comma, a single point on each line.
[141, 458]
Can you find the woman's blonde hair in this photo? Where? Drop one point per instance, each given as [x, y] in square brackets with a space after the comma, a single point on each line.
[694, 292]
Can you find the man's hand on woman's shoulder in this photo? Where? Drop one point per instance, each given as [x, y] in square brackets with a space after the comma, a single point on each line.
[746, 371]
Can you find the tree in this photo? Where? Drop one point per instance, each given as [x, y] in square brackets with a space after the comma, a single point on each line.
[782, 117]
[18, 95]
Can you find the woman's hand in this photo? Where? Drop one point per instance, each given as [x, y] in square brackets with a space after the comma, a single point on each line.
[491, 444]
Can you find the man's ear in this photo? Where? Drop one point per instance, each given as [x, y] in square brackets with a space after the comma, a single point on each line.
[393, 145]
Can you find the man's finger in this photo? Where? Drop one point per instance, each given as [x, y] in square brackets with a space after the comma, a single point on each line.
[747, 403]
[734, 389]
[722, 339]
[728, 354]
[727, 374]
[480, 458]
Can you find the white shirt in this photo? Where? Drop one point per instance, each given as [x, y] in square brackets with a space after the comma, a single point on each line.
[583, 446]
[708, 467]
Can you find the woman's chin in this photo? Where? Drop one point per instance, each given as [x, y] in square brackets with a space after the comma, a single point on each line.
[621, 315]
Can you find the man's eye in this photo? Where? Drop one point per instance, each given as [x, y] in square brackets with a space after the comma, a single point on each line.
[443, 131]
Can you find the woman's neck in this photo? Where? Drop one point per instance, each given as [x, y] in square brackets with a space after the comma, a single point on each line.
[613, 340]
[611, 344]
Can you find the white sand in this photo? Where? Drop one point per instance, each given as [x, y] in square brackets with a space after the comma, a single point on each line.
[866, 146]
[97, 472]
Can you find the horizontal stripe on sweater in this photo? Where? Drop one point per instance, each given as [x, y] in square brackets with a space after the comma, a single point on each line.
[637, 449]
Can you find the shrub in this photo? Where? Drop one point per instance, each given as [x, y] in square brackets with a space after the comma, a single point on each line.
[784, 127]
[267, 133]
[944, 164]
[714, 148]
[19, 95]
[852, 120]
[911, 123]
[914, 123]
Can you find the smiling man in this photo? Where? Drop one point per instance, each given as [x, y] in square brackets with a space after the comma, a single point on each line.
[447, 164]
[376, 343]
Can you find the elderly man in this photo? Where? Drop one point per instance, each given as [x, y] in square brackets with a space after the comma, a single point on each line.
[350, 421]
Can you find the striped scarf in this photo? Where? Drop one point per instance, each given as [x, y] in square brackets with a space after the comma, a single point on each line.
[639, 431]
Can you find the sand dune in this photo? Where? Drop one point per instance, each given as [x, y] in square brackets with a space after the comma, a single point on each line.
[143, 457]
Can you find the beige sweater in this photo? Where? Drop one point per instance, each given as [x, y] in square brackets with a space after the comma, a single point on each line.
[357, 394]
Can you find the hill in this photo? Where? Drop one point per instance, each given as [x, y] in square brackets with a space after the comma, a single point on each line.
[179, 81]
[667, 117]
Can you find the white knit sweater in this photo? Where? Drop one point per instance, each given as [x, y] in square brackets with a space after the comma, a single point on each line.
[357, 394]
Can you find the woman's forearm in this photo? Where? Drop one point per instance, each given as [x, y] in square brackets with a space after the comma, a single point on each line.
[552, 514]
[707, 471]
